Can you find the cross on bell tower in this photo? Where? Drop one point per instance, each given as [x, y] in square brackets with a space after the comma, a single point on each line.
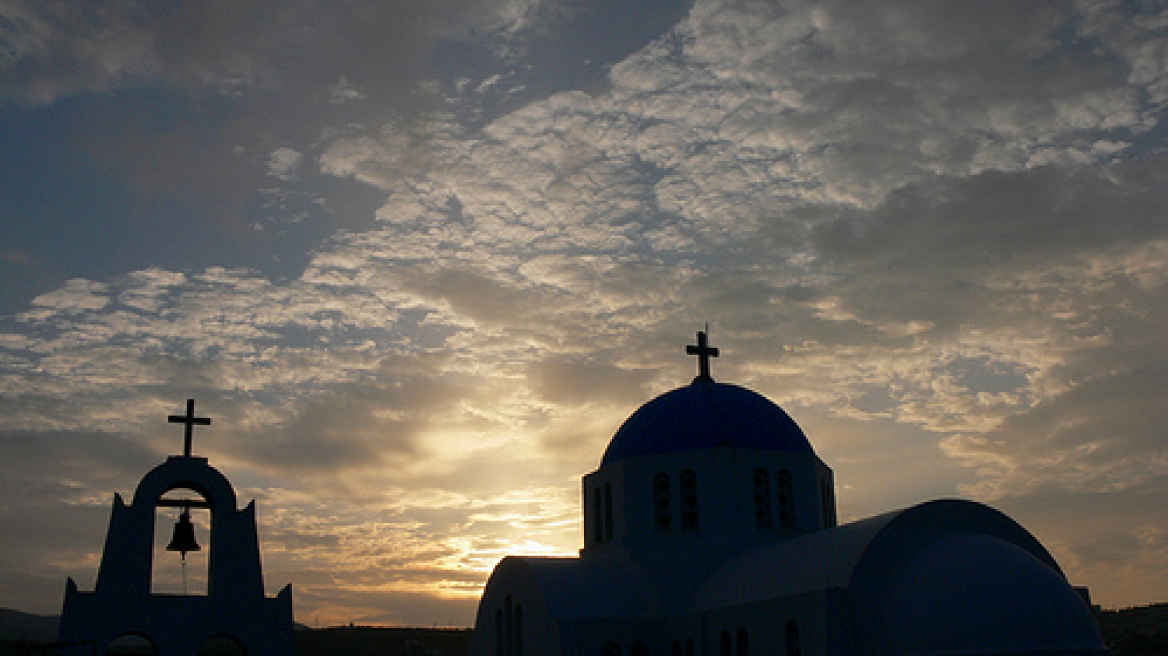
[704, 352]
[191, 421]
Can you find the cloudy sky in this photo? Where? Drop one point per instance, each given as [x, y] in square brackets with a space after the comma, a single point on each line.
[418, 260]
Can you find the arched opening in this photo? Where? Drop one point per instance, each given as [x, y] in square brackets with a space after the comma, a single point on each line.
[689, 499]
[662, 503]
[499, 632]
[186, 572]
[611, 649]
[608, 512]
[786, 499]
[131, 644]
[792, 638]
[597, 517]
[828, 502]
[724, 645]
[639, 649]
[518, 630]
[762, 499]
[743, 643]
[222, 645]
[508, 626]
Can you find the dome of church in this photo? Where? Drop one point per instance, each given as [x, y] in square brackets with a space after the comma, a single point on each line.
[704, 415]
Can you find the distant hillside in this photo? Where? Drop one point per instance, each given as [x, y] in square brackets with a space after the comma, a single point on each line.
[358, 641]
[25, 627]
[1139, 631]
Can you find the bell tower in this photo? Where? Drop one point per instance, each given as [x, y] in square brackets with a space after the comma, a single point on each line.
[234, 607]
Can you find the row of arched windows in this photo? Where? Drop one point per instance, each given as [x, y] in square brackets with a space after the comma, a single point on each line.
[602, 514]
[782, 504]
[509, 629]
[736, 645]
[772, 507]
[663, 501]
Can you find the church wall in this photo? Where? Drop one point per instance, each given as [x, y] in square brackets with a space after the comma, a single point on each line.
[810, 624]
[605, 637]
[513, 618]
[725, 495]
[637, 508]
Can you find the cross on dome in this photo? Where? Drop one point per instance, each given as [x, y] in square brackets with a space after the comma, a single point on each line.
[704, 352]
[191, 421]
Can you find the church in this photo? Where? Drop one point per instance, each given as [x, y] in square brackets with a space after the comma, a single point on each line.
[710, 529]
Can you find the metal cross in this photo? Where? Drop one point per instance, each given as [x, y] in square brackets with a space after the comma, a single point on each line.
[704, 352]
[191, 421]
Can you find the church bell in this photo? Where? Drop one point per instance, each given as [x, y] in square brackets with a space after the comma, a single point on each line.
[183, 539]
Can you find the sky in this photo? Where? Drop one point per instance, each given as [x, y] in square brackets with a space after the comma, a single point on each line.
[419, 260]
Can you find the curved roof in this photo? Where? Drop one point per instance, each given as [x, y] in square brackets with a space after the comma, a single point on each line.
[570, 587]
[704, 415]
[857, 554]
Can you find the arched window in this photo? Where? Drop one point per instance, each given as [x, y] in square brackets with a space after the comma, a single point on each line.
[508, 626]
[743, 644]
[607, 512]
[222, 645]
[662, 503]
[639, 649]
[518, 630]
[786, 498]
[499, 632]
[611, 649]
[131, 643]
[793, 648]
[689, 499]
[825, 498]
[724, 646]
[597, 517]
[675, 649]
[762, 499]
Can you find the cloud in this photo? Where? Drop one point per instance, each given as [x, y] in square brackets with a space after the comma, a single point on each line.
[1104, 435]
[58, 48]
[932, 231]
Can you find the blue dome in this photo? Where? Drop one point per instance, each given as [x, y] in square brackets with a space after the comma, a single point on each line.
[704, 415]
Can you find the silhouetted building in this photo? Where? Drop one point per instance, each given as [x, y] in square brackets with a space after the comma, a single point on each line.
[234, 616]
[710, 529]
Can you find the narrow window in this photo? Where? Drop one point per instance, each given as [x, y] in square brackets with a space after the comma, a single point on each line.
[689, 647]
[762, 499]
[675, 649]
[786, 498]
[662, 503]
[607, 512]
[499, 632]
[743, 644]
[518, 639]
[792, 638]
[508, 625]
[597, 522]
[826, 499]
[689, 500]
[724, 644]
